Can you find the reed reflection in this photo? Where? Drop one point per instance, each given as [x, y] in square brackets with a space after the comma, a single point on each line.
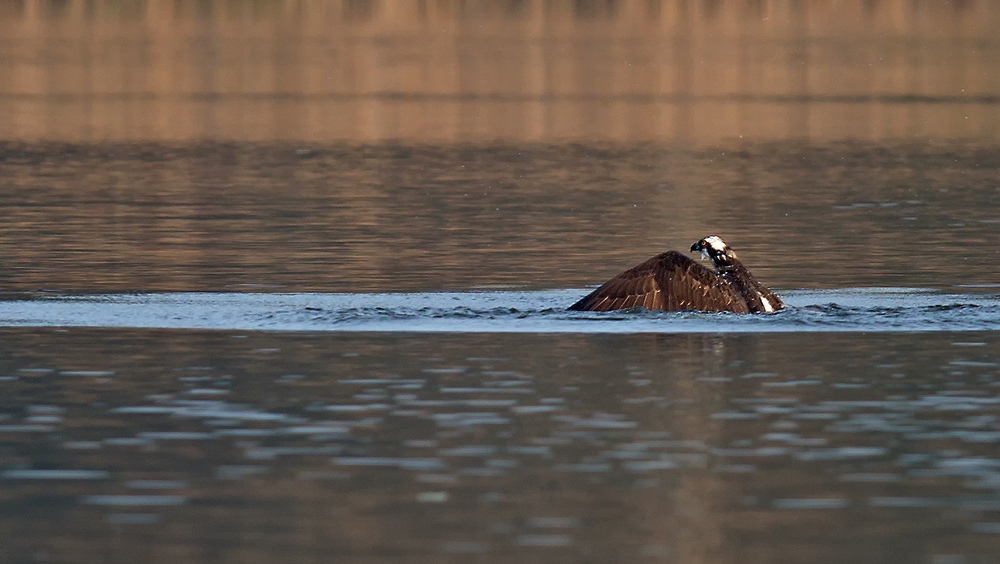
[393, 218]
[697, 72]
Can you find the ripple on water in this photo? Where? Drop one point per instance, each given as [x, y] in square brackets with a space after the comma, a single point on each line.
[134, 500]
[861, 309]
[803, 433]
[54, 474]
[813, 503]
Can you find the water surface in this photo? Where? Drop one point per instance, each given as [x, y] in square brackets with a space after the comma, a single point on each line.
[861, 309]
[286, 281]
[362, 352]
[380, 218]
[793, 447]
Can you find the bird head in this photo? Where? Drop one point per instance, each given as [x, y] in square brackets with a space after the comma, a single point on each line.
[716, 250]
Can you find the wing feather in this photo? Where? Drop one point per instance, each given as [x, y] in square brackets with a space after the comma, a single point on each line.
[670, 282]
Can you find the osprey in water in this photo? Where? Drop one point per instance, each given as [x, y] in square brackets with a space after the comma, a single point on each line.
[673, 282]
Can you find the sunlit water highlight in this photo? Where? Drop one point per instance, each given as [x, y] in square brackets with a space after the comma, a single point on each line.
[860, 309]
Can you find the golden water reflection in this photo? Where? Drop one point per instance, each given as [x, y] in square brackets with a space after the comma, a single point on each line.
[628, 70]
[393, 217]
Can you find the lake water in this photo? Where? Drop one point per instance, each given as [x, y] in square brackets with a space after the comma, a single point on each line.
[757, 447]
[287, 282]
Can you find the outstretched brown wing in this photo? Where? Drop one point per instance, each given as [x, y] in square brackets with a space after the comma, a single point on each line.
[670, 282]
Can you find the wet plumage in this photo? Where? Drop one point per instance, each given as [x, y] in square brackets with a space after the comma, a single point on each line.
[672, 281]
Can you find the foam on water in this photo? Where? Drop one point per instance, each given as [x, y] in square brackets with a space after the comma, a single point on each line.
[856, 309]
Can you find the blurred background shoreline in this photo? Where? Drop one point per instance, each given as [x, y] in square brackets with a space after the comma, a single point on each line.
[691, 72]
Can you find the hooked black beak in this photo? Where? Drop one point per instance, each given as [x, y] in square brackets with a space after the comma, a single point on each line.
[696, 247]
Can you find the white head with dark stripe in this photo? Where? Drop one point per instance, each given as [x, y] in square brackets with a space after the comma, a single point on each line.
[717, 251]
